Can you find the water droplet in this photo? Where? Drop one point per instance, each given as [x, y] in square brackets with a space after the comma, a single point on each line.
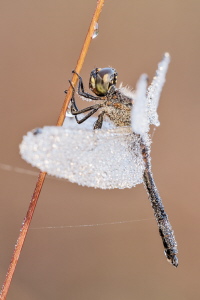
[37, 131]
[96, 31]
[69, 114]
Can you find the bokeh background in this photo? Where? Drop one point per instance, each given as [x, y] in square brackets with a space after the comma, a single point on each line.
[40, 44]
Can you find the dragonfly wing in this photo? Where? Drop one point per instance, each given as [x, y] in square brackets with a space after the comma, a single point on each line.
[106, 158]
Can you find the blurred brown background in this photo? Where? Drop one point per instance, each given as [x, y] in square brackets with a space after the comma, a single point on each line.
[40, 44]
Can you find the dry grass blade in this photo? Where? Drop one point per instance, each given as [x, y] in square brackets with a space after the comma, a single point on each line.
[41, 177]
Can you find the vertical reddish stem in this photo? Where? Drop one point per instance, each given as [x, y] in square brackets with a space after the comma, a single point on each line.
[41, 177]
[81, 59]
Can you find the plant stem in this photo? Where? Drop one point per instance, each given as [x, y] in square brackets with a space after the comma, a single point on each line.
[80, 61]
[41, 177]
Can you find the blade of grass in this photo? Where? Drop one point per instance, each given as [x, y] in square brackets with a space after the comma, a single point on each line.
[41, 177]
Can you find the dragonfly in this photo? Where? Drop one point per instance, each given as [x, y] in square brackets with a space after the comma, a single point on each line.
[111, 150]
[114, 104]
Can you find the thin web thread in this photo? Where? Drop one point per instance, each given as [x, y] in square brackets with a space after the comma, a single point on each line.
[10, 168]
[92, 225]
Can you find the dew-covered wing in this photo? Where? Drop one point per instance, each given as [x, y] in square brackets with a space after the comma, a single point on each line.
[107, 158]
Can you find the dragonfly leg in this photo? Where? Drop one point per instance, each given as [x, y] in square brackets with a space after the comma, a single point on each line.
[75, 111]
[93, 110]
[81, 91]
[99, 121]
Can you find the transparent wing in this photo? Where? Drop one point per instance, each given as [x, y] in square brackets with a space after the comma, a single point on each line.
[107, 158]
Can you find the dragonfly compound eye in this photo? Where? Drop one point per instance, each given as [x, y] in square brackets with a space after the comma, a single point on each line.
[101, 80]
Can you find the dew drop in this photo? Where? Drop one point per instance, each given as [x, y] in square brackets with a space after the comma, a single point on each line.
[69, 114]
[96, 31]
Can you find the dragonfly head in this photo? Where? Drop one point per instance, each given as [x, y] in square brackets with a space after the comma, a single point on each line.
[101, 80]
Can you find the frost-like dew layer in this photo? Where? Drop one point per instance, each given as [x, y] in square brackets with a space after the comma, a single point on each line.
[154, 90]
[106, 158]
[139, 117]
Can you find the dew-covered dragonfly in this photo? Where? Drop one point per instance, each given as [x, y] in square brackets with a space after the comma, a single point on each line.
[112, 150]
